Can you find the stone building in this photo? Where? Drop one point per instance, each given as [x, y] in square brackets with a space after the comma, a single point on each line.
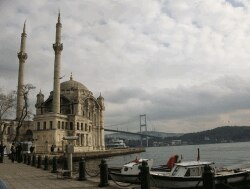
[70, 110]
[81, 114]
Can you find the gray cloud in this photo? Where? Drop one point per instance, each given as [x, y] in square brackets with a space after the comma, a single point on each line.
[184, 63]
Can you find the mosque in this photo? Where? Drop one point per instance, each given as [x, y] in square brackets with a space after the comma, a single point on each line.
[70, 110]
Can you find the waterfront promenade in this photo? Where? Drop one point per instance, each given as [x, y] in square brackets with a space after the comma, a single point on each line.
[22, 176]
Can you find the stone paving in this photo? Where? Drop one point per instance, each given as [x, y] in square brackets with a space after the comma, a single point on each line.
[22, 176]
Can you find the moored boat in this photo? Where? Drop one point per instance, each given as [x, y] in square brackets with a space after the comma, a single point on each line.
[129, 173]
[189, 175]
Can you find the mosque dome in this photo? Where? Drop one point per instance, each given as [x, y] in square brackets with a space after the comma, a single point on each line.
[72, 85]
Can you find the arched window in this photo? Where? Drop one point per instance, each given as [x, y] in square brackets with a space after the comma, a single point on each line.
[71, 125]
[38, 126]
[59, 125]
[62, 124]
[51, 125]
[44, 125]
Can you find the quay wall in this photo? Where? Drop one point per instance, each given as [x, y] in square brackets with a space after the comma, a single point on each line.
[107, 153]
[95, 154]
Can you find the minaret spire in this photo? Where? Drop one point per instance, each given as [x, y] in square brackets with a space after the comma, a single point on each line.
[24, 26]
[22, 56]
[58, 47]
[59, 17]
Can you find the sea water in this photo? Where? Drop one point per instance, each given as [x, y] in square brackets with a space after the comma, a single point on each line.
[232, 155]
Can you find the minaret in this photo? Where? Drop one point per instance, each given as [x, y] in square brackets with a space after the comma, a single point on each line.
[58, 47]
[101, 141]
[22, 56]
[39, 102]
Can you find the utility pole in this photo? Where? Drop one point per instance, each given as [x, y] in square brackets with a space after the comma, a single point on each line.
[143, 123]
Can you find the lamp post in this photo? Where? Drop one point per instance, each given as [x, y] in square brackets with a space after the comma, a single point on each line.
[33, 140]
[70, 151]
[46, 147]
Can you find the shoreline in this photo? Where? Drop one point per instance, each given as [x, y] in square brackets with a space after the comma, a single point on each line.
[107, 153]
[95, 154]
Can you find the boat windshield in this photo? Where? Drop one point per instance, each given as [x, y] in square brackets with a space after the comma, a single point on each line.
[194, 171]
[175, 171]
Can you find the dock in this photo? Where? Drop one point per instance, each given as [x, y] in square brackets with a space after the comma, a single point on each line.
[108, 153]
[21, 176]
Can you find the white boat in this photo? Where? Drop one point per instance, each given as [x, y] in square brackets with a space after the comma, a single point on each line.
[129, 173]
[116, 143]
[189, 175]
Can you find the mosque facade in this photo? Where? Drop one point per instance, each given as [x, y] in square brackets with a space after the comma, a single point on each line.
[70, 110]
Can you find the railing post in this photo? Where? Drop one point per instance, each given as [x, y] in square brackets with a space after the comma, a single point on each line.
[1, 156]
[29, 159]
[103, 173]
[145, 176]
[39, 160]
[208, 178]
[34, 160]
[82, 165]
[65, 166]
[54, 165]
[46, 163]
[25, 158]
[21, 158]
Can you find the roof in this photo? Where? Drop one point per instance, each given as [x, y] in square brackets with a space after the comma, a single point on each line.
[72, 85]
[194, 163]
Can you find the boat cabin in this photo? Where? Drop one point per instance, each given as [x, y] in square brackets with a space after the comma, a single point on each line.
[189, 169]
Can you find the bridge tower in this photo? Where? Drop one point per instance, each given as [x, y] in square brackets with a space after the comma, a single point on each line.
[143, 124]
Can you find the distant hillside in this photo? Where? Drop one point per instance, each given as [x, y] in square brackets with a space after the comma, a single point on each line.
[220, 134]
[217, 135]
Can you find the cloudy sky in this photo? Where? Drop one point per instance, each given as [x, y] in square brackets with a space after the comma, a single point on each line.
[183, 63]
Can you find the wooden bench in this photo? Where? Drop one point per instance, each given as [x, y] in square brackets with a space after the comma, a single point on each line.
[62, 173]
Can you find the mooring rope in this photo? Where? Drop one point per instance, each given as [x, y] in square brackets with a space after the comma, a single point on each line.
[118, 183]
[227, 185]
[95, 175]
[197, 185]
[153, 181]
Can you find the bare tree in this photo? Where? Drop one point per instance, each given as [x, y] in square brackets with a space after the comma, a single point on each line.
[25, 109]
[7, 104]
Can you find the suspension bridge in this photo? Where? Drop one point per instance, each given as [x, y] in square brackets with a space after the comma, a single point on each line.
[143, 125]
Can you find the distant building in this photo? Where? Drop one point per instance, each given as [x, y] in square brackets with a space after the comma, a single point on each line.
[206, 138]
[176, 142]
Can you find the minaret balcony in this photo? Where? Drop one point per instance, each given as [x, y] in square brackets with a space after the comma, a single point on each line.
[22, 56]
[58, 47]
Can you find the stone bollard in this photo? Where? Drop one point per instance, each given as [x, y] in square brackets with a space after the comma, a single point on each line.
[208, 178]
[65, 166]
[39, 161]
[65, 163]
[145, 176]
[46, 163]
[34, 160]
[54, 165]
[1, 157]
[28, 159]
[25, 158]
[103, 173]
[82, 165]
[21, 158]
